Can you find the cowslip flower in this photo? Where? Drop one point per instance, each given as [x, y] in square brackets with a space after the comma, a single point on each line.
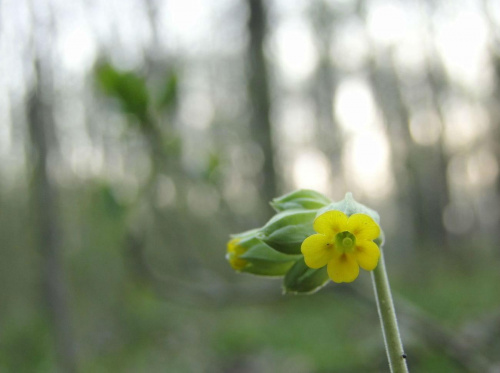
[343, 244]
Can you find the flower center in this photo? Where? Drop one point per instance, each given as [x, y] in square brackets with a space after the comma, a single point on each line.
[344, 242]
[347, 242]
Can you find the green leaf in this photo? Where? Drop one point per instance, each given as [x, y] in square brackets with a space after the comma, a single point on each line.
[300, 199]
[127, 88]
[168, 97]
[213, 168]
[286, 231]
[301, 279]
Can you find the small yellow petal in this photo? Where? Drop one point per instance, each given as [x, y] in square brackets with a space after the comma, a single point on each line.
[317, 250]
[363, 227]
[331, 223]
[237, 264]
[234, 250]
[367, 254]
[343, 268]
[233, 247]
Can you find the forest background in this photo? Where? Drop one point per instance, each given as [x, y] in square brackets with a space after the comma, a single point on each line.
[136, 135]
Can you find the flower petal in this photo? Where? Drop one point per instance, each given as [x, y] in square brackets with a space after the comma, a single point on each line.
[234, 250]
[331, 223]
[343, 268]
[234, 247]
[367, 254]
[317, 250]
[363, 227]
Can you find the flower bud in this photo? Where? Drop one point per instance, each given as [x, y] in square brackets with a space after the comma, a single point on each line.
[253, 256]
[350, 206]
[302, 279]
[286, 231]
[300, 199]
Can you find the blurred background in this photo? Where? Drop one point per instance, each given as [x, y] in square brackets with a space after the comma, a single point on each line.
[136, 135]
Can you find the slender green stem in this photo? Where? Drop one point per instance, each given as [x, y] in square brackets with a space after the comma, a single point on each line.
[385, 305]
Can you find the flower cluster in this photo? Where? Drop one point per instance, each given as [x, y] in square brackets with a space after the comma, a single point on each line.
[309, 241]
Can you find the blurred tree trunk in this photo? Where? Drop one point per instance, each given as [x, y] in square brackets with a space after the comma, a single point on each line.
[152, 50]
[435, 161]
[422, 171]
[258, 91]
[387, 94]
[44, 200]
[329, 137]
[388, 97]
[495, 121]
[494, 103]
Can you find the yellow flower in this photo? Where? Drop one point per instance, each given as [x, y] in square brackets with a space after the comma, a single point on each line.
[343, 244]
[234, 250]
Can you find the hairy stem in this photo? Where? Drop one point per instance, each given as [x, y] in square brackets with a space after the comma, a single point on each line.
[385, 305]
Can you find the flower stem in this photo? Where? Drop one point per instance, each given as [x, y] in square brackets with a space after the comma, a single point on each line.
[392, 339]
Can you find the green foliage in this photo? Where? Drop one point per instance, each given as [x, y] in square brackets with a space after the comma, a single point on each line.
[127, 88]
[213, 171]
[169, 94]
[26, 347]
[302, 330]
[110, 204]
[125, 327]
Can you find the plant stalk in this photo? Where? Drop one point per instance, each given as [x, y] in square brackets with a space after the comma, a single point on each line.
[387, 314]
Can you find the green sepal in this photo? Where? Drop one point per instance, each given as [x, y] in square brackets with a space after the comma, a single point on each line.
[247, 234]
[286, 231]
[380, 240]
[300, 199]
[301, 279]
[265, 268]
[350, 206]
[263, 260]
[258, 250]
